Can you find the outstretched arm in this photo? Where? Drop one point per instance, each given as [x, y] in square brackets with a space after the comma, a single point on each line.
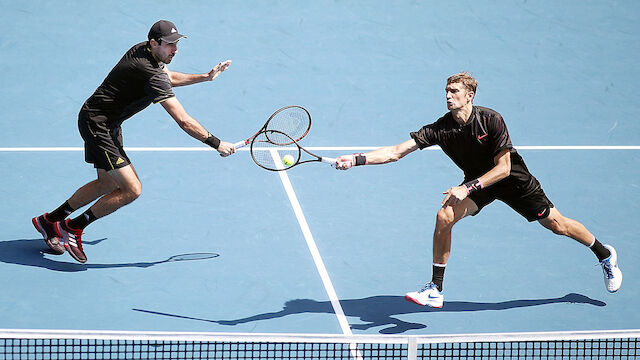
[381, 155]
[181, 79]
[192, 127]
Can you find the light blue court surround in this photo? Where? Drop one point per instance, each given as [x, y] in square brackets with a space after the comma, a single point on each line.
[561, 73]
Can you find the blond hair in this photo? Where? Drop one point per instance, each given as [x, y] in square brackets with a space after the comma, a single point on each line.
[465, 79]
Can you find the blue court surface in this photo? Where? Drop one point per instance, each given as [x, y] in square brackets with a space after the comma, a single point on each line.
[563, 75]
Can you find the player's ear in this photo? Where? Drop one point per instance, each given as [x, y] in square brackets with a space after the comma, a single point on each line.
[471, 95]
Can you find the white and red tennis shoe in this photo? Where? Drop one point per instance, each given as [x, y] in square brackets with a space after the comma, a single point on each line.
[72, 240]
[429, 295]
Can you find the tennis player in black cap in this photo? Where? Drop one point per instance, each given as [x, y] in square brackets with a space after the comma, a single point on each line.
[140, 78]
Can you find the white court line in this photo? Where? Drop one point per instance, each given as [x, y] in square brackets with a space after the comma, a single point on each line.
[315, 254]
[318, 148]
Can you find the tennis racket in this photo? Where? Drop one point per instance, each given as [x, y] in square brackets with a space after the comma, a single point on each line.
[270, 147]
[293, 120]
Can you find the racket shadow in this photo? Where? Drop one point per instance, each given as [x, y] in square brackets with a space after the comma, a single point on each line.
[31, 252]
[380, 310]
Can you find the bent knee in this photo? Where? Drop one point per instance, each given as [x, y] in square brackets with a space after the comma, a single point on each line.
[557, 226]
[137, 191]
[445, 217]
[133, 191]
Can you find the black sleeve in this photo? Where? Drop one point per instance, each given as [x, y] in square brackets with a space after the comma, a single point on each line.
[159, 87]
[426, 136]
[499, 134]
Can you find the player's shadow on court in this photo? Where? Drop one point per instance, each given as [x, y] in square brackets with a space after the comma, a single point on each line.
[380, 310]
[31, 252]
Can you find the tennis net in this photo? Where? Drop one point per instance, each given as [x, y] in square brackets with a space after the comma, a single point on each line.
[69, 344]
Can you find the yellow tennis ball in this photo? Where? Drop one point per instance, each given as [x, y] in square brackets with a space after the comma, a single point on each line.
[287, 160]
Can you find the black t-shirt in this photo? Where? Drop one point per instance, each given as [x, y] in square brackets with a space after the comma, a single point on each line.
[474, 145]
[134, 83]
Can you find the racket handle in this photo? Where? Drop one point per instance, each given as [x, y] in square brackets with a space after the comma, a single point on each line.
[240, 144]
[333, 162]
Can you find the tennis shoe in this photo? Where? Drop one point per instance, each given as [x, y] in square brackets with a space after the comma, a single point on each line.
[612, 273]
[46, 228]
[429, 295]
[72, 240]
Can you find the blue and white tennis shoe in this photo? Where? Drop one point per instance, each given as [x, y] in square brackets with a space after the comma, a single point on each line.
[612, 273]
[428, 295]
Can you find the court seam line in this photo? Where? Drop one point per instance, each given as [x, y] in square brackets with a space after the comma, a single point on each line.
[311, 244]
[318, 148]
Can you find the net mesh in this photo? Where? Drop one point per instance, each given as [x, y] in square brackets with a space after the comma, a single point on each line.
[141, 349]
[562, 349]
[33, 344]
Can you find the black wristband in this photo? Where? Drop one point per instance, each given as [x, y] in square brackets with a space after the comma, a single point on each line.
[473, 185]
[212, 141]
[361, 159]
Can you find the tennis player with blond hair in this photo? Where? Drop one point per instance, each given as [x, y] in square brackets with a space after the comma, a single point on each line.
[477, 140]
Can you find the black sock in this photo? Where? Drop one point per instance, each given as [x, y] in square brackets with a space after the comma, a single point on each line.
[82, 221]
[60, 213]
[600, 251]
[437, 276]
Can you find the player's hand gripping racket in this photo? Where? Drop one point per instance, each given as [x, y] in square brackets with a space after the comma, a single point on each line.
[293, 120]
[276, 151]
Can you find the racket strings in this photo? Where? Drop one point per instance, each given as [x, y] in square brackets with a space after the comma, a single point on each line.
[270, 147]
[293, 121]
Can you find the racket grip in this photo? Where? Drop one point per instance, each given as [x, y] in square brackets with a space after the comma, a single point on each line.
[332, 161]
[240, 144]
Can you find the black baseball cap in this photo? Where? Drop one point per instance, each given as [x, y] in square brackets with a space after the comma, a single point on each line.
[166, 31]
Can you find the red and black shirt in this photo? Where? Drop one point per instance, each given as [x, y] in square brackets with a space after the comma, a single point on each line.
[473, 145]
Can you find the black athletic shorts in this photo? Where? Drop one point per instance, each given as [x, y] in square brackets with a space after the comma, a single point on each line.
[102, 145]
[525, 197]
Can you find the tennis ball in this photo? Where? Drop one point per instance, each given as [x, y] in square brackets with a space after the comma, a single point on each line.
[287, 160]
